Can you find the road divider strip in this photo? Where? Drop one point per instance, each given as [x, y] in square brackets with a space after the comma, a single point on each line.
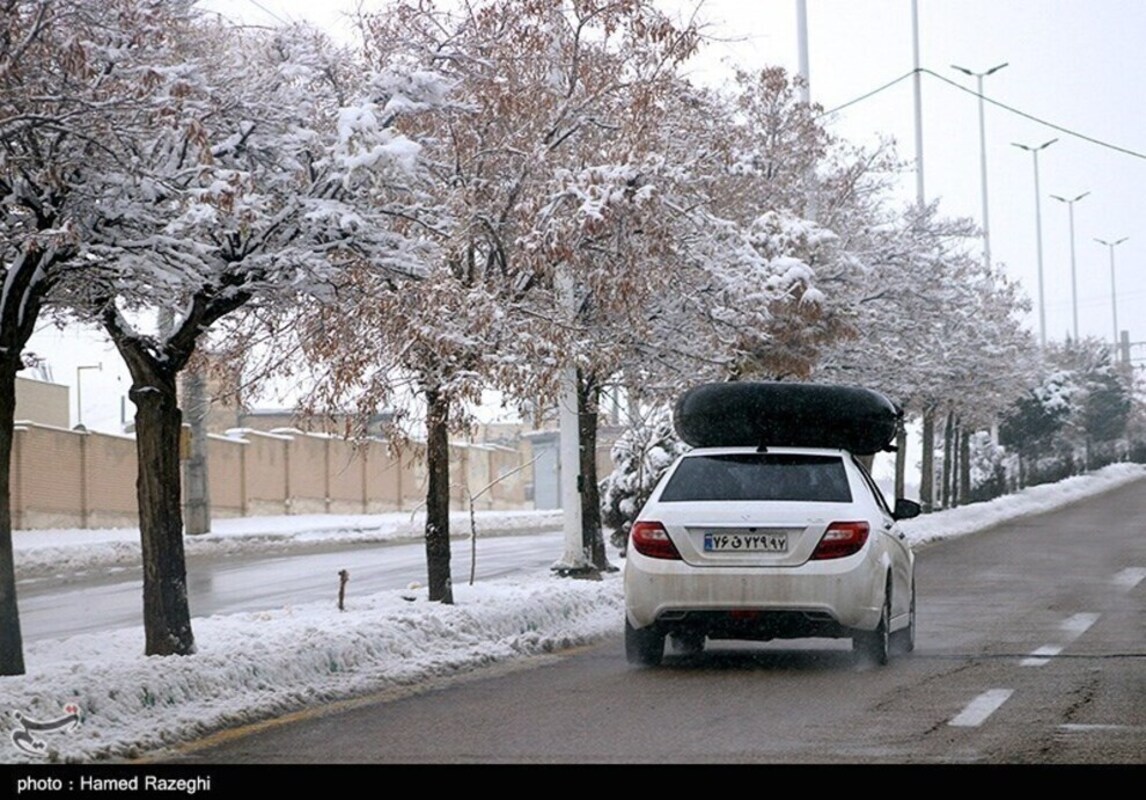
[1130, 577]
[1074, 627]
[1041, 656]
[978, 710]
[1078, 625]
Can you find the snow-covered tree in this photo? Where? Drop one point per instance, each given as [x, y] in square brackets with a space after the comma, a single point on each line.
[757, 283]
[535, 168]
[1075, 416]
[74, 76]
[240, 194]
[936, 330]
[1032, 423]
[690, 261]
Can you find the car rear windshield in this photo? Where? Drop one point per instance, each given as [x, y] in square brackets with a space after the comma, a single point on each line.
[759, 476]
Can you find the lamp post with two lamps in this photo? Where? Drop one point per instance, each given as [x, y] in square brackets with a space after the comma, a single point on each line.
[1034, 151]
[1073, 278]
[1113, 293]
[978, 76]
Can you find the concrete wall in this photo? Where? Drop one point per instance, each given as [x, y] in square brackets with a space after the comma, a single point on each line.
[65, 479]
[72, 479]
[43, 403]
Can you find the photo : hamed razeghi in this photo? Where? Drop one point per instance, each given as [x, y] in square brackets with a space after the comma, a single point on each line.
[135, 783]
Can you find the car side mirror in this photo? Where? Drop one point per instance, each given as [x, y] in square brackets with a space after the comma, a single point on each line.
[906, 509]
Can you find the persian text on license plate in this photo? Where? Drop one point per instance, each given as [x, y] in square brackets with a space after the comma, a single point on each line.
[746, 542]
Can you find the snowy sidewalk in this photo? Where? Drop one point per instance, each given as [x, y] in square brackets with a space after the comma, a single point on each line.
[253, 666]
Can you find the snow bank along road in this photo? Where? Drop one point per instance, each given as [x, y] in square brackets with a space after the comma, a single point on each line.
[256, 665]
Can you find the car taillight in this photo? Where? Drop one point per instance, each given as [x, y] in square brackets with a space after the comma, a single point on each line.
[841, 539]
[652, 540]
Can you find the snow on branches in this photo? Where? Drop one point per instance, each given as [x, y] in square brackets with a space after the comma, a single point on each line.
[936, 326]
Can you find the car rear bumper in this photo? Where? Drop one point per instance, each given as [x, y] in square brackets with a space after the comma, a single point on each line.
[818, 598]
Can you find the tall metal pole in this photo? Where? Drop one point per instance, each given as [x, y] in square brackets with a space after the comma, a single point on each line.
[1073, 271]
[811, 187]
[1113, 292]
[927, 465]
[983, 155]
[1039, 236]
[802, 38]
[918, 91]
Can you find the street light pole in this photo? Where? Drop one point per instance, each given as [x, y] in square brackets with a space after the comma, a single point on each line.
[978, 76]
[1113, 294]
[1034, 151]
[1073, 277]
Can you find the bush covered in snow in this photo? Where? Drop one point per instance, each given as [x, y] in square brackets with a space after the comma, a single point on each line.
[988, 468]
[1081, 417]
[640, 457]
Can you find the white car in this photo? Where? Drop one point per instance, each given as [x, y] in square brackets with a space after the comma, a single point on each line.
[762, 543]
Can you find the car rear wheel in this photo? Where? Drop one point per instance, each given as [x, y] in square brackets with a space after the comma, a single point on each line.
[876, 645]
[644, 647]
[904, 640]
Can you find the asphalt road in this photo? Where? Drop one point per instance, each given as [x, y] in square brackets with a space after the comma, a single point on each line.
[1031, 649]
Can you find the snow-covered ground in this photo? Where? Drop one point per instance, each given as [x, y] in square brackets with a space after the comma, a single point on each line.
[252, 666]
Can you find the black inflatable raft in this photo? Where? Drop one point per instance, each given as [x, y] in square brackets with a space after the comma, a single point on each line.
[851, 418]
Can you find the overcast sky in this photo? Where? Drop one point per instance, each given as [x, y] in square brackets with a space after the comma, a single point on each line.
[1073, 64]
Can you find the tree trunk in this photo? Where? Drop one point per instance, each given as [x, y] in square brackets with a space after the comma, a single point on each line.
[588, 399]
[901, 462]
[158, 426]
[948, 459]
[11, 641]
[964, 465]
[25, 285]
[438, 496]
[927, 469]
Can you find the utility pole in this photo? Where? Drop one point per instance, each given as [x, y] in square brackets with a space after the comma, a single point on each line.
[197, 500]
[918, 91]
[927, 467]
[811, 185]
[802, 39]
[575, 561]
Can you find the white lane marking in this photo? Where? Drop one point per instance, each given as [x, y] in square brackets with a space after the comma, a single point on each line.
[1073, 626]
[1041, 656]
[980, 708]
[1078, 624]
[1130, 577]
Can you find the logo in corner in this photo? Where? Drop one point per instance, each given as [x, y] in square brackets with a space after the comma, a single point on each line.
[26, 738]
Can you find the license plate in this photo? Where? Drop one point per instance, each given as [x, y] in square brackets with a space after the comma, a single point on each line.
[746, 542]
